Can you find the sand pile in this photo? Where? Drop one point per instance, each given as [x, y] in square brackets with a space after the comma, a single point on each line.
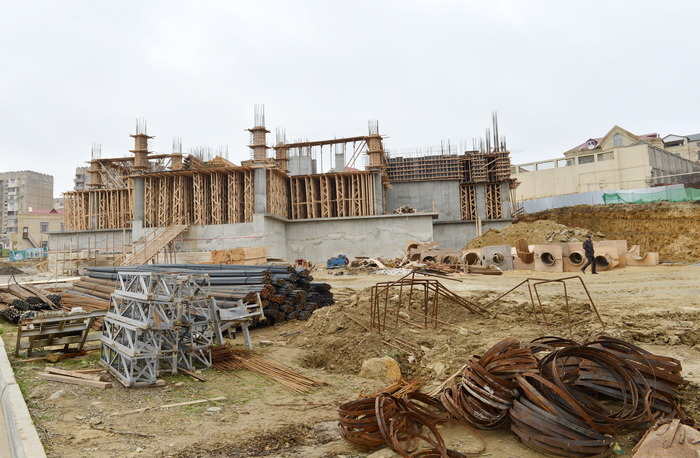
[10, 270]
[537, 232]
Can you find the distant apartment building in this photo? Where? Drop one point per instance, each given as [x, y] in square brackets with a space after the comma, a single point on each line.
[20, 191]
[58, 203]
[81, 178]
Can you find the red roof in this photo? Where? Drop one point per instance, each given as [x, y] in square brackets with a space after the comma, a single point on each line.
[51, 211]
[584, 145]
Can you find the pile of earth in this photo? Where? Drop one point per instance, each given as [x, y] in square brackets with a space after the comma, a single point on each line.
[536, 233]
[10, 270]
[670, 228]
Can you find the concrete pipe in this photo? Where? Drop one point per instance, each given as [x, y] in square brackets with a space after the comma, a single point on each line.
[603, 262]
[576, 258]
[547, 259]
[498, 258]
[472, 259]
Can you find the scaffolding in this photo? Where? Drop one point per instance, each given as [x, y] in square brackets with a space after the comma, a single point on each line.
[332, 195]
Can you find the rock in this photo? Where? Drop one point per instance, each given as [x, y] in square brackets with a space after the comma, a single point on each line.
[52, 357]
[178, 384]
[213, 409]
[265, 343]
[404, 315]
[411, 359]
[327, 431]
[439, 369]
[577, 232]
[95, 421]
[384, 453]
[674, 340]
[381, 369]
[55, 395]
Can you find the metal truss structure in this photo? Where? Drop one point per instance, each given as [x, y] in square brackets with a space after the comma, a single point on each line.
[158, 322]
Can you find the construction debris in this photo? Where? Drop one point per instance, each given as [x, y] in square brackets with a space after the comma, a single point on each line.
[404, 210]
[241, 256]
[225, 358]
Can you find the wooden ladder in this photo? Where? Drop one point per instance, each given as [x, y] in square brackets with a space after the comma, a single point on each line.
[145, 250]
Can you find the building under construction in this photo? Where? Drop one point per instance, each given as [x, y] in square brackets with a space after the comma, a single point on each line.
[199, 202]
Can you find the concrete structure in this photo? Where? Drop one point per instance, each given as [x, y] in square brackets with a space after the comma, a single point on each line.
[279, 202]
[618, 161]
[21, 190]
[686, 146]
[19, 438]
[34, 228]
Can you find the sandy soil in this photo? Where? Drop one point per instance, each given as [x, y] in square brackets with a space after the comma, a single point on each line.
[656, 308]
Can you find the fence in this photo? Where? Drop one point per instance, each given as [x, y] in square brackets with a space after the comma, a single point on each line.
[29, 253]
[668, 195]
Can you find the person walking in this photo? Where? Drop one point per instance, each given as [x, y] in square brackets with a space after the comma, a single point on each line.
[590, 255]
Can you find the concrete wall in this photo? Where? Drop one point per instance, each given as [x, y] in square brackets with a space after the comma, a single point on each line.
[100, 238]
[421, 195]
[385, 235]
[454, 235]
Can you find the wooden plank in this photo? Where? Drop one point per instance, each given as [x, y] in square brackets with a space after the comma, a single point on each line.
[73, 380]
[55, 370]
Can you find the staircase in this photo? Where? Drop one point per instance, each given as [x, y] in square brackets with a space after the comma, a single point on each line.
[148, 247]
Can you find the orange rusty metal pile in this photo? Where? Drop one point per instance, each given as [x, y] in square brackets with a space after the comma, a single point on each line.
[560, 397]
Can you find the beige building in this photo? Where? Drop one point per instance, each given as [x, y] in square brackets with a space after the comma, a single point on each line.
[619, 160]
[18, 192]
[34, 226]
[686, 146]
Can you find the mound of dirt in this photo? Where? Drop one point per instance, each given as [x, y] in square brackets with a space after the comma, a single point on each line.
[10, 270]
[536, 232]
[667, 227]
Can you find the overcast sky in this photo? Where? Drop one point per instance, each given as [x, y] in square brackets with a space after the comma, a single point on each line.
[79, 72]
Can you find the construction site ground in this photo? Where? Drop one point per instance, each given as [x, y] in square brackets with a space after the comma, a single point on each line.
[656, 308]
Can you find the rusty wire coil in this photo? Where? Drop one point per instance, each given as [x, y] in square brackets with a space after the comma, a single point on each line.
[359, 425]
[483, 396]
[546, 427]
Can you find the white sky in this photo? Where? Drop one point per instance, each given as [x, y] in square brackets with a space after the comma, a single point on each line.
[77, 72]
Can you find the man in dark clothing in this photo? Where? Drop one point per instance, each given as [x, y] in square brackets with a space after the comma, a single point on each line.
[590, 255]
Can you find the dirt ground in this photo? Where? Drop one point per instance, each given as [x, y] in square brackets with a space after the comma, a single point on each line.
[656, 308]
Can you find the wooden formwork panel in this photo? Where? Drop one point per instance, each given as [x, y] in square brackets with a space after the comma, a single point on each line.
[332, 195]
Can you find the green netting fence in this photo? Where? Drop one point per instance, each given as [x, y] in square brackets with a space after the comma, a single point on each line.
[668, 195]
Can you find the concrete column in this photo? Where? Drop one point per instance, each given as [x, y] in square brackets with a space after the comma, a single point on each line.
[481, 201]
[505, 199]
[340, 162]
[139, 197]
[378, 192]
[260, 190]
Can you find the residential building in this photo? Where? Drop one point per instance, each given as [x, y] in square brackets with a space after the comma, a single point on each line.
[58, 203]
[686, 146]
[81, 178]
[617, 161]
[21, 190]
[34, 226]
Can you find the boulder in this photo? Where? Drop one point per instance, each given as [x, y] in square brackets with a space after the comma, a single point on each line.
[385, 368]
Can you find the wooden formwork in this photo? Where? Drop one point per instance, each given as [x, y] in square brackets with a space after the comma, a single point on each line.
[224, 195]
[98, 209]
[426, 168]
[467, 194]
[494, 202]
[277, 193]
[332, 195]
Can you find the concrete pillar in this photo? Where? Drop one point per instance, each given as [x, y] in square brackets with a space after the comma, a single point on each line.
[340, 162]
[480, 201]
[505, 199]
[314, 170]
[378, 192]
[260, 190]
[139, 197]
